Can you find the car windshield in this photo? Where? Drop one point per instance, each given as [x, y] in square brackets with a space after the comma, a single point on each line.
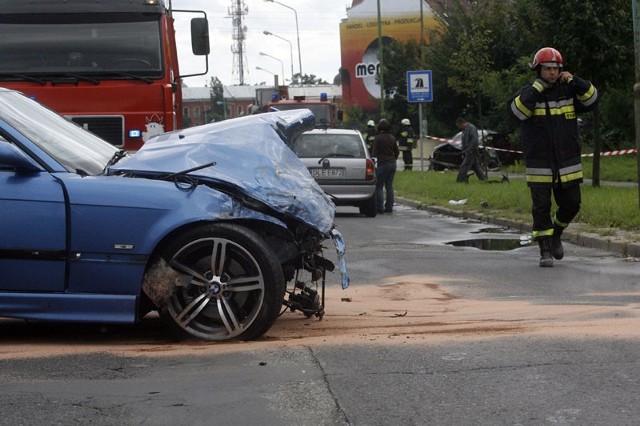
[74, 148]
[318, 145]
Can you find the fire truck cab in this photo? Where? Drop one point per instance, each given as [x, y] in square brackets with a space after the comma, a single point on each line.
[110, 66]
[325, 110]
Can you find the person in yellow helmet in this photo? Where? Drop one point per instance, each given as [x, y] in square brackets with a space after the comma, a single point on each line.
[370, 134]
[406, 142]
[547, 112]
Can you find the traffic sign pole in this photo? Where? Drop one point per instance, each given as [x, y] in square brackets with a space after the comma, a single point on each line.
[419, 86]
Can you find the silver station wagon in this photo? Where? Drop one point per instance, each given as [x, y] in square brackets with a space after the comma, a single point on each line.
[340, 162]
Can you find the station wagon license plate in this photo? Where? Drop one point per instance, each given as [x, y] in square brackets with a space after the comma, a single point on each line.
[327, 173]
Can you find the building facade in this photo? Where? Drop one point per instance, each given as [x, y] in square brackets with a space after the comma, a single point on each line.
[196, 105]
[244, 100]
[240, 100]
[400, 20]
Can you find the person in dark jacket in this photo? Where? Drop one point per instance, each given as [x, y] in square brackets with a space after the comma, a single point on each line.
[385, 149]
[470, 145]
[547, 110]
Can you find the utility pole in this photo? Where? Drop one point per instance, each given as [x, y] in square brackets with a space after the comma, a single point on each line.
[381, 64]
[422, 125]
[636, 86]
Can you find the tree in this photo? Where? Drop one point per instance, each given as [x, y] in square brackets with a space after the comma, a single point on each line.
[598, 43]
[218, 106]
[483, 53]
[400, 57]
[307, 79]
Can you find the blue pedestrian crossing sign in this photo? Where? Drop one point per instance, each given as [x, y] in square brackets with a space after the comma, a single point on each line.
[419, 87]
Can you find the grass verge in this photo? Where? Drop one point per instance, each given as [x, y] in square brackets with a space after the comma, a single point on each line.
[604, 210]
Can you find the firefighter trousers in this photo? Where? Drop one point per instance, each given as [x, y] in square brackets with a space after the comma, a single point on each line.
[568, 200]
[407, 158]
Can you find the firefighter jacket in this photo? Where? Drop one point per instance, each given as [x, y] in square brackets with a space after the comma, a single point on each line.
[549, 129]
[406, 139]
[369, 137]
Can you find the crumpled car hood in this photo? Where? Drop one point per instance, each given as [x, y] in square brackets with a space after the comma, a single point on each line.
[251, 160]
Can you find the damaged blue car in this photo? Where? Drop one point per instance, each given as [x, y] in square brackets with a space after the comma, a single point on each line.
[218, 228]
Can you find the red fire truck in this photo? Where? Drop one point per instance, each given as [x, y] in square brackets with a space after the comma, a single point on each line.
[110, 66]
[326, 111]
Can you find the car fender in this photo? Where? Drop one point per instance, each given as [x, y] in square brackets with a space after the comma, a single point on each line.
[127, 222]
[143, 211]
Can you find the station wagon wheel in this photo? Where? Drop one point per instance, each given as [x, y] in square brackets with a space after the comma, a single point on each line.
[231, 284]
[369, 207]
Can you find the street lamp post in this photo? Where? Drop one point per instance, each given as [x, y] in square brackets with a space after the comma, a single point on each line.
[290, 49]
[297, 33]
[279, 60]
[275, 76]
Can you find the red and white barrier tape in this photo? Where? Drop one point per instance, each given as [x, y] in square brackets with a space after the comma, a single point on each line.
[616, 152]
[439, 139]
[602, 154]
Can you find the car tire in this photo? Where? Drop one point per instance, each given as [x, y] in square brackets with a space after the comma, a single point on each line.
[230, 287]
[369, 207]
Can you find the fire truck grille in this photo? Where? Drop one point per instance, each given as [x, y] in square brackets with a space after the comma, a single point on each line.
[109, 128]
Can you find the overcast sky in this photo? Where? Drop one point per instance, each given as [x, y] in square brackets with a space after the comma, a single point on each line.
[318, 22]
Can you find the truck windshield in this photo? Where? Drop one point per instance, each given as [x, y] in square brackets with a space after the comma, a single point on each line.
[90, 44]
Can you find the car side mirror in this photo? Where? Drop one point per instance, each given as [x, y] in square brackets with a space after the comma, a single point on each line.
[11, 158]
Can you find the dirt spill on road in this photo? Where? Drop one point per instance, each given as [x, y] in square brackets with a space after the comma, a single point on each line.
[404, 310]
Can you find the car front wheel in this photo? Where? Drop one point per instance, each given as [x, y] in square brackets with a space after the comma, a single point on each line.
[230, 285]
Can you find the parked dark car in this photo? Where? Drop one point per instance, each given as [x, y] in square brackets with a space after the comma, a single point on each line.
[206, 225]
[448, 155]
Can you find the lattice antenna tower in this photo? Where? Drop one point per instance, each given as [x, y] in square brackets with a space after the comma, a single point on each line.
[240, 71]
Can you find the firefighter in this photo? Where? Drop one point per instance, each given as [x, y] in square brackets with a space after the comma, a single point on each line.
[370, 134]
[405, 142]
[546, 111]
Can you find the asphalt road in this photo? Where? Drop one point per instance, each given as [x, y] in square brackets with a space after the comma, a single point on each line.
[487, 337]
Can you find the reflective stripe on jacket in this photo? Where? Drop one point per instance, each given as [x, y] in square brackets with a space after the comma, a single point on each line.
[405, 141]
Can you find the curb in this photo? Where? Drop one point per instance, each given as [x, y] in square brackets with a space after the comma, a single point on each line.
[617, 245]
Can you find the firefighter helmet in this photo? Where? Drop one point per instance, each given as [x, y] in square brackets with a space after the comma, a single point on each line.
[547, 56]
[405, 122]
[371, 123]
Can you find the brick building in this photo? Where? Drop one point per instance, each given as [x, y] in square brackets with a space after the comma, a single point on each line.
[196, 105]
[242, 100]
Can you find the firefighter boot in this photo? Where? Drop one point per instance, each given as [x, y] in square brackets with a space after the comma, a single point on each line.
[557, 251]
[546, 258]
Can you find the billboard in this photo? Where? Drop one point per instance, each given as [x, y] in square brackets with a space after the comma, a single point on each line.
[399, 20]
